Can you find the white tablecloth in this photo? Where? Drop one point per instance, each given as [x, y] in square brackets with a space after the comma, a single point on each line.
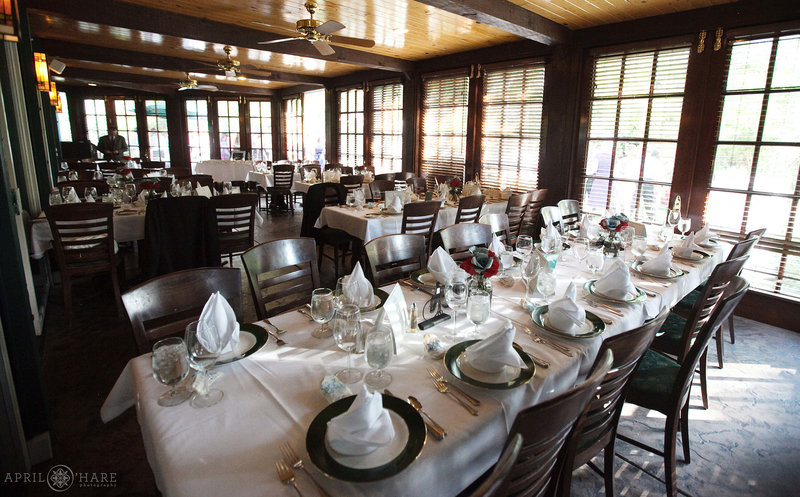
[225, 170]
[266, 179]
[273, 395]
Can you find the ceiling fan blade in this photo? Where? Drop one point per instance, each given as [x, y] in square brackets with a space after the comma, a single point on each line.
[329, 27]
[359, 42]
[182, 88]
[281, 40]
[282, 28]
[322, 47]
[207, 87]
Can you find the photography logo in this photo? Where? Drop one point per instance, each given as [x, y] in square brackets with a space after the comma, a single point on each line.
[60, 478]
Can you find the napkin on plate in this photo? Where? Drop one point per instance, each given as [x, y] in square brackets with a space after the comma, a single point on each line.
[497, 246]
[703, 235]
[364, 427]
[89, 198]
[564, 314]
[660, 264]
[686, 248]
[217, 328]
[492, 354]
[357, 289]
[584, 227]
[72, 197]
[396, 310]
[203, 191]
[394, 202]
[616, 281]
[441, 265]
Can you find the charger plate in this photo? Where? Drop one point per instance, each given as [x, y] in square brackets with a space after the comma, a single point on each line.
[453, 360]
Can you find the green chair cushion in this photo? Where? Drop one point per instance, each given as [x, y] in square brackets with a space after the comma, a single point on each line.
[653, 381]
[688, 301]
[668, 338]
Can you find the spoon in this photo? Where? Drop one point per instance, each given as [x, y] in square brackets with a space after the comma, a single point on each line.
[435, 428]
[278, 341]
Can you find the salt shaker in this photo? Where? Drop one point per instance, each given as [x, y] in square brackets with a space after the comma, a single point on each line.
[412, 319]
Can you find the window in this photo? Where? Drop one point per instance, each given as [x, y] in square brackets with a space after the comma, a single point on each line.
[351, 127]
[228, 119]
[96, 122]
[197, 128]
[633, 132]
[260, 130]
[511, 127]
[157, 136]
[314, 125]
[294, 129]
[755, 180]
[444, 126]
[387, 127]
[62, 118]
[125, 111]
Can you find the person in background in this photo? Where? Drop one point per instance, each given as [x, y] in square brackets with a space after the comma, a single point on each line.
[112, 146]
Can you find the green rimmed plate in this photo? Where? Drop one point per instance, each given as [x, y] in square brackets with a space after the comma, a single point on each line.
[711, 243]
[251, 338]
[381, 297]
[502, 381]
[387, 212]
[358, 469]
[673, 272]
[423, 277]
[697, 255]
[592, 327]
[639, 297]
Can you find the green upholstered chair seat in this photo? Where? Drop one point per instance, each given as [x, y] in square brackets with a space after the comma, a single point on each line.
[668, 339]
[688, 301]
[653, 381]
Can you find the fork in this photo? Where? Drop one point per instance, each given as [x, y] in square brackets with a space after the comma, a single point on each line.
[443, 389]
[436, 375]
[286, 475]
[277, 330]
[293, 460]
[556, 346]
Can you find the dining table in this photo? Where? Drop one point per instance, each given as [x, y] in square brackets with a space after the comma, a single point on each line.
[273, 395]
[266, 179]
[226, 170]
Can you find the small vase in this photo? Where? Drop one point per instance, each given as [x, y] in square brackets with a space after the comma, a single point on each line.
[612, 245]
[480, 282]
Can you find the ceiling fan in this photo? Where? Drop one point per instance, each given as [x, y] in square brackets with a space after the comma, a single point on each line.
[191, 84]
[319, 33]
[229, 65]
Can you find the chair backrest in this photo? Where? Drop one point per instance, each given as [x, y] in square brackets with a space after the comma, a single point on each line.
[178, 172]
[283, 176]
[419, 218]
[203, 179]
[82, 166]
[346, 169]
[282, 274]
[80, 186]
[331, 166]
[469, 209]
[570, 213]
[551, 214]
[153, 164]
[491, 485]
[385, 176]
[515, 210]
[499, 224]
[379, 186]
[83, 234]
[403, 175]
[393, 257]
[164, 305]
[313, 167]
[235, 216]
[535, 202]
[417, 184]
[317, 197]
[544, 429]
[458, 238]
[743, 248]
[756, 233]
[138, 173]
[352, 181]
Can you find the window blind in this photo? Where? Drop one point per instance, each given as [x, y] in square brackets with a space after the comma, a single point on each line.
[260, 112]
[294, 128]
[511, 127]
[444, 126]
[387, 127]
[228, 125]
[198, 131]
[351, 127]
[157, 130]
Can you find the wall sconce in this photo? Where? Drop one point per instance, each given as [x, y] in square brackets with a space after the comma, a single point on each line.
[42, 71]
[53, 94]
[8, 26]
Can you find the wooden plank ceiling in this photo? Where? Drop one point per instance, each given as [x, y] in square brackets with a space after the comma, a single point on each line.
[149, 44]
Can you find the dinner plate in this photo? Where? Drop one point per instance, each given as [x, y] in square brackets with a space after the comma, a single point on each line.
[709, 243]
[386, 212]
[673, 272]
[589, 286]
[376, 465]
[592, 327]
[378, 299]
[251, 338]
[371, 215]
[697, 255]
[508, 378]
[423, 277]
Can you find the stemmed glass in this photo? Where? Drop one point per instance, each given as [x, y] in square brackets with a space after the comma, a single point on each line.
[524, 246]
[322, 308]
[530, 271]
[130, 192]
[684, 225]
[546, 284]
[170, 367]
[478, 309]
[455, 294]
[90, 190]
[378, 349]
[595, 260]
[73, 176]
[347, 333]
[639, 246]
[202, 359]
[227, 186]
[673, 217]
[65, 192]
[580, 247]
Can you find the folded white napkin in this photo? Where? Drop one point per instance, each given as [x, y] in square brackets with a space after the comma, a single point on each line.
[203, 191]
[396, 310]
[703, 235]
[72, 197]
[553, 233]
[217, 328]
[584, 227]
[660, 264]
[363, 428]
[444, 190]
[616, 281]
[564, 314]
[396, 204]
[492, 354]
[686, 248]
[497, 246]
[357, 289]
[368, 178]
[89, 198]
[441, 265]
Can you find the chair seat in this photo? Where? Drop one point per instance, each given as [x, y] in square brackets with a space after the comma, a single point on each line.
[688, 301]
[653, 382]
[668, 338]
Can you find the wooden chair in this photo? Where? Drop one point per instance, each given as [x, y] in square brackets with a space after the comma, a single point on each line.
[347, 170]
[319, 196]
[515, 210]
[352, 181]
[491, 486]
[419, 218]
[394, 257]
[458, 238]
[385, 176]
[83, 242]
[498, 223]
[403, 175]
[153, 164]
[663, 385]
[332, 166]
[235, 217]
[81, 185]
[280, 193]
[202, 179]
[531, 220]
[282, 274]
[85, 174]
[312, 167]
[597, 429]
[379, 186]
[551, 214]
[164, 305]
[82, 166]
[469, 209]
[418, 185]
[570, 213]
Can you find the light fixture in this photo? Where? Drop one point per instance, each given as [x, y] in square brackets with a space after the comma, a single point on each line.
[42, 71]
[8, 28]
[92, 84]
[53, 94]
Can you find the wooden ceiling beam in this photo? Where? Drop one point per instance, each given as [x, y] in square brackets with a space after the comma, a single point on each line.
[162, 22]
[57, 48]
[507, 16]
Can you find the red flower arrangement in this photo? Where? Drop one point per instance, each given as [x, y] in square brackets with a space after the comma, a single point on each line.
[455, 183]
[361, 168]
[124, 172]
[617, 222]
[483, 262]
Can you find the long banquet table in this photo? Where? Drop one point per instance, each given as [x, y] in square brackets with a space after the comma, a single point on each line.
[273, 395]
[225, 170]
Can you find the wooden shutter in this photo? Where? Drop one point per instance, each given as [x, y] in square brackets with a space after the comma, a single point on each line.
[351, 127]
[444, 126]
[386, 140]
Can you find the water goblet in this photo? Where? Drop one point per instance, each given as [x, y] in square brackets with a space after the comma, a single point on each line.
[129, 193]
[73, 176]
[202, 359]
[580, 248]
[322, 308]
[347, 334]
[90, 190]
[673, 216]
[55, 198]
[546, 284]
[507, 258]
[595, 260]
[639, 247]
[66, 191]
[478, 305]
[524, 245]
[98, 175]
[350, 200]
[455, 294]
[530, 271]
[378, 350]
[684, 225]
[170, 367]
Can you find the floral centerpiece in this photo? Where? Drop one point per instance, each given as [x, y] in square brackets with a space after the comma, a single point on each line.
[613, 225]
[481, 266]
[455, 188]
[361, 169]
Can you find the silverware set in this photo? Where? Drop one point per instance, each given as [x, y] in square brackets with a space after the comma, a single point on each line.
[437, 376]
[278, 341]
[554, 345]
[443, 389]
[286, 474]
[435, 429]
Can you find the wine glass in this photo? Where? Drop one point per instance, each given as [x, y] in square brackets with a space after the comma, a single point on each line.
[347, 333]
[55, 197]
[90, 190]
[639, 246]
[595, 260]
[478, 305]
[322, 308]
[202, 359]
[684, 225]
[66, 191]
[170, 367]
[507, 258]
[130, 192]
[378, 350]
[580, 248]
[73, 176]
[530, 271]
[455, 294]
[626, 236]
[351, 199]
[673, 216]
[546, 284]
[524, 245]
